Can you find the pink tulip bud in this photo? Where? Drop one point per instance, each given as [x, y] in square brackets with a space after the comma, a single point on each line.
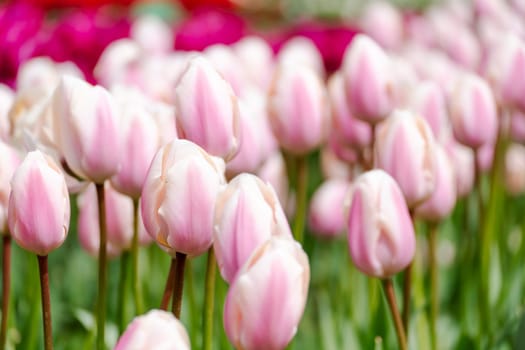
[266, 301]
[273, 171]
[505, 69]
[517, 126]
[224, 60]
[381, 235]
[301, 51]
[350, 130]
[473, 112]
[257, 59]
[38, 213]
[368, 80]
[485, 157]
[87, 129]
[119, 221]
[247, 214]
[464, 168]
[179, 197]
[117, 64]
[404, 148]
[207, 109]
[157, 329]
[10, 160]
[428, 100]
[327, 214]
[443, 199]
[383, 22]
[299, 127]
[152, 34]
[515, 169]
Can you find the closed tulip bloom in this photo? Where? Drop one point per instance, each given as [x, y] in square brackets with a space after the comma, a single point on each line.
[9, 161]
[152, 34]
[117, 63]
[266, 301]
[442, 201]
[207, 109]
[179, 197]
[224, 60]
[257, 59]
[368, 80]
[485, 157]
[298, 108]
[327, 214]
[350, 130]
[515, 169]
[383, 22]
[87, 129]
[381, 236]
[38, 213]
[464, 168]
[428, 100]
[301, 51]
[473, 112]
[157, 329]
[247, 214]
[517, 126]
[273, 171]
[404, 148]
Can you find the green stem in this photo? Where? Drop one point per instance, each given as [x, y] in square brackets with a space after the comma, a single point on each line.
[407, 286]
[122, 292]
[135, 280]
[6, 287]
[434, 290]
[391, 298]
[209, 299]
[300, 198]
[102, 268]
[178, 284]
[168, 289]
[46, 303]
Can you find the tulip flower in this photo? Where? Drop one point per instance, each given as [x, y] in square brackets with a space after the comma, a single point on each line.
[428, 101]
[383, 22]
[117, 63]
[266, 301]
[257, 59]
[155, 330]
[7, 97]
[515, 169]
[207, 109]
[301, 51]
[464, 168]
[368, 80]
[332, 167]
[152, 34]
[327, 214]
[224, 60]
[404, 148]
[247, 214]
[473, 112]
[273, 171]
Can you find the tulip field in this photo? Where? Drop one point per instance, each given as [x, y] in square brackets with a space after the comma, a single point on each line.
[262, 175]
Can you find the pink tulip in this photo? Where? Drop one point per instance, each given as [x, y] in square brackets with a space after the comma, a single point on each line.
[350, 130]
[299, 127]
[404, 148]
[383, 22]
[368, 80]
[179, 197]
[273, 171]
[266, 301]
[118, 63]
[257, 59]
[515, 169]
[224, 60]
[464, 168]
[152, 34]
[473, 112]
[10, 161]
[428, 100]
[301, 51]
[517, 126]
[38, 213]
[155, 330]
[381, 236]
[442, 201]
[485, 157]
[207, 109]
[87, 129]
[327, 214]
[247, 214]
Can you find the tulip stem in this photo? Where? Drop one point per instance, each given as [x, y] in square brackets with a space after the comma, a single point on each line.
[434, 290]
[122, 292]
[102, 268]
[178, 283]
[407, 285]
[137, 288]
[209, 299]
[6, 287]
[46, 304]
[168, 289]
[391, 298]
[300, 198]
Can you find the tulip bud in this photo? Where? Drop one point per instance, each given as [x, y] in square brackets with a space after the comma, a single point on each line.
[266, 301]
[224, 60]
[327, 214]
[87, 129]
[428, 101]
[517, 126]
[301, 51]
[179, 197]
[383, 22]
[368, 80]
[247, 214]
[273, 171]
[38, 213]
[443, 199]
[10, 160]
[299, 127]
[152, 34]
[207, 109]
[473, 112]
[257, 58]
[381, 235]
[404, 148]
[155, 330]
[350, 130]
[464, 168]
[485, 157]
[117, 64]
[515, 169]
